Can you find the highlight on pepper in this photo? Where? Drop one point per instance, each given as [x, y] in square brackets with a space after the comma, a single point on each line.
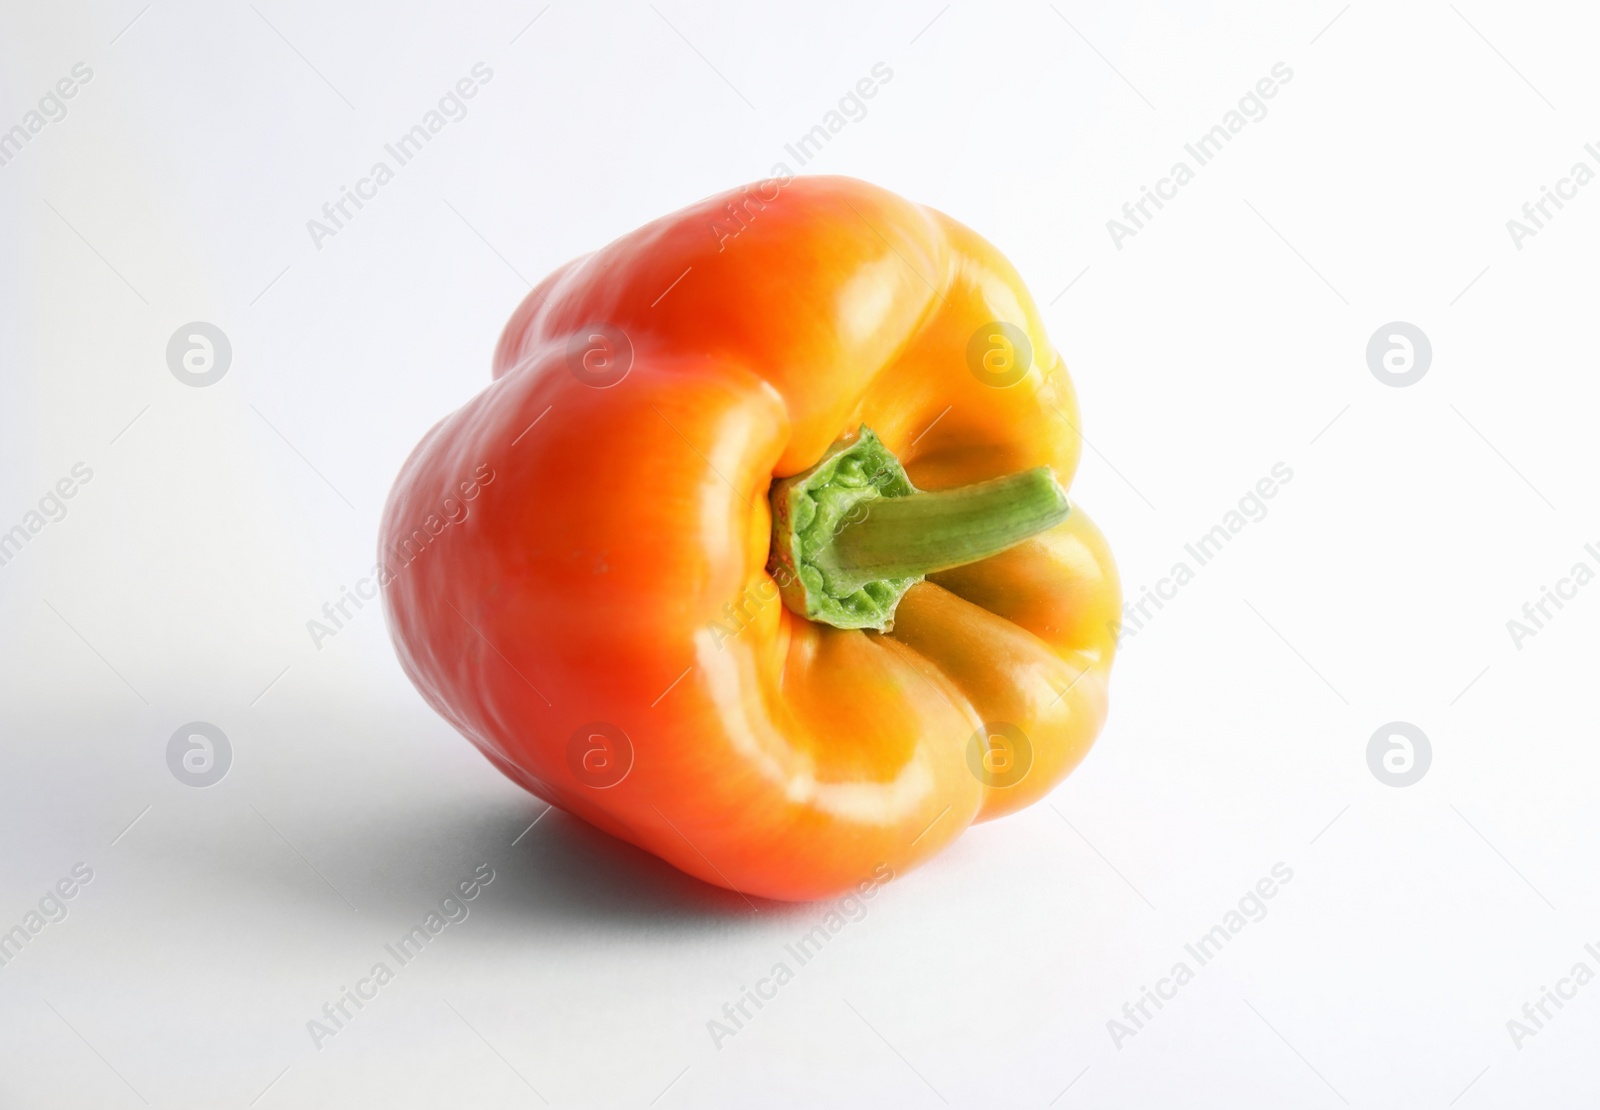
[778, 578]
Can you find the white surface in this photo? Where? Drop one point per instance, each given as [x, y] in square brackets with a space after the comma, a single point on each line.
[1205, 350]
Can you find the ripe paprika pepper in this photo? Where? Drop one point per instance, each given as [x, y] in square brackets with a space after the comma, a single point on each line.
[777, 578]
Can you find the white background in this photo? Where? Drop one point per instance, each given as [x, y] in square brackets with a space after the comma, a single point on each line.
[1225, 337]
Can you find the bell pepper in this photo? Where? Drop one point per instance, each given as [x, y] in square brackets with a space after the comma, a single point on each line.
[756, 552]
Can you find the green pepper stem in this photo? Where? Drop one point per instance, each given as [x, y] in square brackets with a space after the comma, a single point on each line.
[852, 534]
[904, 537]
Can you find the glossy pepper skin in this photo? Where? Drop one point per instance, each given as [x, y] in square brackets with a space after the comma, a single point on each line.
[604, 604]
